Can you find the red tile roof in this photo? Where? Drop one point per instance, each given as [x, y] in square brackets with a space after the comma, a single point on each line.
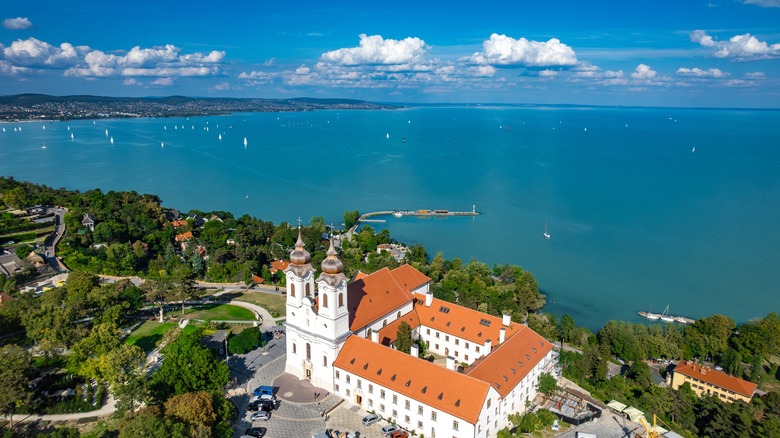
[465, 323]
[258, 279]
[279, 265]
[184, 236]
[409, 278]
[511, 361]
[178, 224]
[445, 390]
[374, 296]
[388, 333]
[717, 378]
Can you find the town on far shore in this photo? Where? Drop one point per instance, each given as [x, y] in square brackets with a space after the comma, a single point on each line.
[298, 330]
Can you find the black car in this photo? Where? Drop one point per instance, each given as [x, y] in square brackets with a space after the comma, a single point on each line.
[259, 406]
[255, 431]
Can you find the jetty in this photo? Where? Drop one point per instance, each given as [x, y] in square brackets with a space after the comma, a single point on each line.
[665, 317]
[367, 217]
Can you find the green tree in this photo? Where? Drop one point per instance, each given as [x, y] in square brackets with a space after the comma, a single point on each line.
[547, 383]
[403, 340]
[192, 407]
[189, 366]
[149, 423]
[350, 218]
[566, 328]
[14, 371]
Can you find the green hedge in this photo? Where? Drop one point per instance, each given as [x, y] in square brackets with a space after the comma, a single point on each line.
[244, 342]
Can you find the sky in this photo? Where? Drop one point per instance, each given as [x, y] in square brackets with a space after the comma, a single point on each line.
[681, 53]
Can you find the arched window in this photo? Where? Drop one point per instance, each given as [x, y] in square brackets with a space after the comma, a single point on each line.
[308, 351]
[398, 315]
[325, 361]
[368, 333]
[341, 300]
[384, 323]
[308, 289]
[324, 301]
[294, 350]
[292, 289]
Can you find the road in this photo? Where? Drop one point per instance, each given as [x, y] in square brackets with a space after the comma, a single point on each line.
[50, 244]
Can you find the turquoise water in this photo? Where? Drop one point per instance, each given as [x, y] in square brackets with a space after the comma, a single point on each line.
[637, 219]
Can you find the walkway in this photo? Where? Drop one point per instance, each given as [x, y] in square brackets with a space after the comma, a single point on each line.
[106, 410]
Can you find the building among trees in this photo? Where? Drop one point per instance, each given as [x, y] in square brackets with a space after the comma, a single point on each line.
[705, 380]
[340, 337]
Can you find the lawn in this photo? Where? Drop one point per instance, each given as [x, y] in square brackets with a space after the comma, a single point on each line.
[272, 303]
[218, 312]
[147, 336]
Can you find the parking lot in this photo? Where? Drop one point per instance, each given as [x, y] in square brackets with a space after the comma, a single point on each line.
[301, 406]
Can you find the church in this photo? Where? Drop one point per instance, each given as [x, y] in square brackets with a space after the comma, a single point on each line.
[340, 336]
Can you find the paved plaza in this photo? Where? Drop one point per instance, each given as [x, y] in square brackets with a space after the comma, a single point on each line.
[301, 405]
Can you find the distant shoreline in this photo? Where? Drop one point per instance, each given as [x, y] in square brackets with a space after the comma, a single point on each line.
[41, 107]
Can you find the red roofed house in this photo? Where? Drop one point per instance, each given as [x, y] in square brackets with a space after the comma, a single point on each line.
[705, 380]
[340, 336]
[278, 265]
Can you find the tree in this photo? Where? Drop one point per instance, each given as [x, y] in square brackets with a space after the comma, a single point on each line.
[149, 423]
[189, 366]
[566, 328]
[193, 408]
[403, 340]
[160, 291]
[14, 370]
[244, 342]
[350, 218]
[547, 383]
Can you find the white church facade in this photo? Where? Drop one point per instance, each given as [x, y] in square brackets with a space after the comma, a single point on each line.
[340, 335]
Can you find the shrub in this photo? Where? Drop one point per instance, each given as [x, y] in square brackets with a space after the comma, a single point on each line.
[244, 342]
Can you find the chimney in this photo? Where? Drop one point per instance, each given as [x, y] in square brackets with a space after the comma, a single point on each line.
[450, 363]
[506, 320]
[428, 299]
[374, 336]
[501, 335]
[415, 350]
[488, 346]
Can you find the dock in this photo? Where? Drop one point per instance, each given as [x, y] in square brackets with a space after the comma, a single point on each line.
[366, 217]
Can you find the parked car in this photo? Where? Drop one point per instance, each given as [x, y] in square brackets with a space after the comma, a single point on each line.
[390, 428]
[260, 415]
[399, 434]
[260, 390]
[555, 425]
[259, 406]
[370, 419]
[257, 432]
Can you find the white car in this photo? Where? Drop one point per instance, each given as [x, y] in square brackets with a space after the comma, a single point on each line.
[260, 415]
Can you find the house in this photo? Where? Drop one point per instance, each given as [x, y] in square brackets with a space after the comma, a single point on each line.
[278, 265]
[705, 380]
[140, 245]
[10, 264]
[179, 223]
[88, 222]
[172, 215]
[217, 342]
[183, 238]
[256, 279]
[197, 221]
[340, 337]
[35, 259]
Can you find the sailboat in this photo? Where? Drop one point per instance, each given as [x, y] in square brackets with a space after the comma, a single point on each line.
[44, 146]
[245, 142]
[665, 315]
[546, 234]
[112, 140]
[388, 135]
[694, 149]
[71, 136]
[220, 137]
[106, 132]
[162, 145]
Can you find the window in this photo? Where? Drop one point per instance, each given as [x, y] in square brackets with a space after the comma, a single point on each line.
[437, 346]
[360, 383]
[407, 419]
[324, 301]
[325, 361]
[382, 394]
[294, 348]
[488, 403]
[347, 390]
[347, 378]
[395, 413]
[338, 374]
[419, 425]
[368, 333]
[455, 425]
[395, 399]
[382, 408]
[419, 410]
[398, 315]
[370, 388]
[407, 405]
[466, 357]
[292, 289]
[447, 338]
[456, 354]
[370, 402]
[457, 341]
[437, 335]
[467, 345]
[308, 289]
[433, 415]
[341, 300]
[476, 349]
[337, 387]
[427, 331]
[308, 351]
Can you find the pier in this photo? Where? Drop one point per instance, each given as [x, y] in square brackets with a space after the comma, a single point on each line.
[370, 216]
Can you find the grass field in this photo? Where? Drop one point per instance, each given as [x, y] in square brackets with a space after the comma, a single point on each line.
[147, 336]
[218, 312]
[271, 303]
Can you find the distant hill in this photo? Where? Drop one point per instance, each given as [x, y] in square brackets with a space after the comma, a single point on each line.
[46, 107]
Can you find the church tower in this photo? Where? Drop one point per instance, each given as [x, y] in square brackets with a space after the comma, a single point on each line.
[333, 307]
[300, 280]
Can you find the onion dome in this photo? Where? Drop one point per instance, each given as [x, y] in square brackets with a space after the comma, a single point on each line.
[299, 256]
[332, 264]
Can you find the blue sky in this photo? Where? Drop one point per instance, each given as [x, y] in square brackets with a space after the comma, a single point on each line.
[716, 53]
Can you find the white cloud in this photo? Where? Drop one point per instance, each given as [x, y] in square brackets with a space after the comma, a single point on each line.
[162, 82]
[502, 50]
[764, 3]
[699, 73]
[222, 86]
[269, 62]
[744, 47]
[548, 73]
[17, 23]
[375, 50]
[33, 52]
[7, 68]
[755, 75]
[131, 81]
[644, 72]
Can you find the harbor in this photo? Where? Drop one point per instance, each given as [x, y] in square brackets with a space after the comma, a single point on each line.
[665, 317]
[369, 217]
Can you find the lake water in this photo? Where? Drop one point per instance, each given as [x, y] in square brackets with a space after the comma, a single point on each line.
[638, 218]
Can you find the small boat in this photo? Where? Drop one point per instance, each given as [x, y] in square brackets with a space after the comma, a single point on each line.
[71, 136]
[694, 149]
[111, 140]
[585, 130]
[404, 140]
[648, 315]
[3, 129]
[245, 142]
[68, 128]
[162, 145]
[665, 315]
[106, 132]
[388, 135]
[44, 146]
[546, 234]
[176, 127]
[398, 214]
[44, 127]
[220, 137]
